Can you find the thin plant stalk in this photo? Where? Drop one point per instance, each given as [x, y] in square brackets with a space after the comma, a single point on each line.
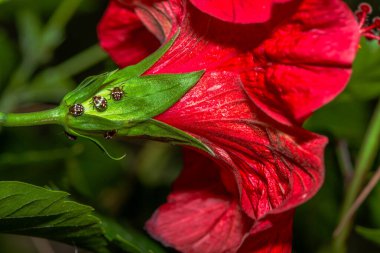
[367, 155]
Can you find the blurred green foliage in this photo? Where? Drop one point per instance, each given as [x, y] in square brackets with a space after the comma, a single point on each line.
[47, 47]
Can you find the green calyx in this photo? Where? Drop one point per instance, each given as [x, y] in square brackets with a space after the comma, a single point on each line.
[121, 103]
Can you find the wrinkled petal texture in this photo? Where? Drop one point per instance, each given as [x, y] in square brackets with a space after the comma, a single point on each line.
[244, 12]
[302, 55]
[123, 35]
[272, 235]
[307, 60]
[275, 167]
[130, 30]
[200, 216]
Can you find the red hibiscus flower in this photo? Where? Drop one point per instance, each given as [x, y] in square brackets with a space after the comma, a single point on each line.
[262, 80]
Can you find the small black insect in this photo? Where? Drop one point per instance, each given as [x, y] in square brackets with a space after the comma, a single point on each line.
[70, 136]
[117, 93]
[109, 134]
[100, 103]
[76, 110]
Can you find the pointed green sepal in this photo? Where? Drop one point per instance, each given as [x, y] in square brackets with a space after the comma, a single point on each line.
[141, 67]
[160, 131]
[99, 144]
[87, 88]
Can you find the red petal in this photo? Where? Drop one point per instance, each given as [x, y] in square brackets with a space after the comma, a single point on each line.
[273, 235]
[160, 17]
[290, 66]
[204, 44]
[249, 11]
[199, 216]
[303, 54]
[123, 35]
[307, 61]
[275, 167]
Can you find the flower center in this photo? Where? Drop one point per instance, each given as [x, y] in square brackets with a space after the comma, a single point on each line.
[370, 30]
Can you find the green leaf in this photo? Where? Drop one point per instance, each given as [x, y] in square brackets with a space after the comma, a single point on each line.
[35, 211]
[128, 241]
[371, 234]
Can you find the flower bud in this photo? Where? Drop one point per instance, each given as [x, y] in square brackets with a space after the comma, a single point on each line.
[124, 102]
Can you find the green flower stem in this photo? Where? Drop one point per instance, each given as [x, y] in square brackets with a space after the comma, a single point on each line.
[48, 117]
[359, 201]
[367, 155]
